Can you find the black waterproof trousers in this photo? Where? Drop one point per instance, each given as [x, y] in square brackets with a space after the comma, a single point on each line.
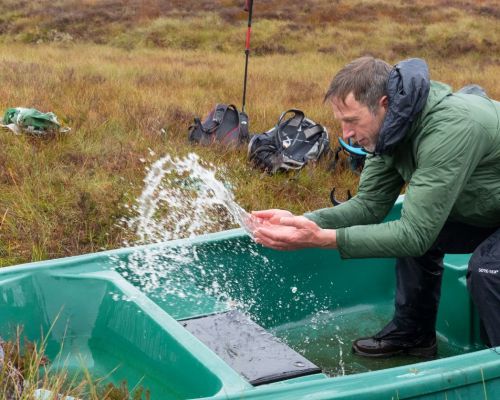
[419, 280]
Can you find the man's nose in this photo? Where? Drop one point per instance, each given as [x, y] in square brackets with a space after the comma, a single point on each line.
[347, 132]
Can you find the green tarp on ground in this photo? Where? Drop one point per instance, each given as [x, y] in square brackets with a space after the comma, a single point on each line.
[29, 120]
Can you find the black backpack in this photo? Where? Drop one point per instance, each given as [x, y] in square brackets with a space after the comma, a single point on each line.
[290, 145]
[224, 124]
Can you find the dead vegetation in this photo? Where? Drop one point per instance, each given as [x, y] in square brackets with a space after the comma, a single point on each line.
[98, 21]
[159, 64]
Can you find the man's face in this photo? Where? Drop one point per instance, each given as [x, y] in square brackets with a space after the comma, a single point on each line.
[358, 122]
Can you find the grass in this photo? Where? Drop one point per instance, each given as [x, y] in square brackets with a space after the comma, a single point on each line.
[24, 369]
[118, 72]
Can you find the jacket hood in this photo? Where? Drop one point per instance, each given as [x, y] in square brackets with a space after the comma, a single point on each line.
[407, 91]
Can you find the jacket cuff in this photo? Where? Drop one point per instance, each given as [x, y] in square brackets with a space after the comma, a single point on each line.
[342, 242]
[314, 217]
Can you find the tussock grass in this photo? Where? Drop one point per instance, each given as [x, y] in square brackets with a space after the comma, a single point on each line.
[118, 72]
[25, 370]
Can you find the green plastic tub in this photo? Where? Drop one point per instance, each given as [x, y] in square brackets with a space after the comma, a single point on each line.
[96, 313]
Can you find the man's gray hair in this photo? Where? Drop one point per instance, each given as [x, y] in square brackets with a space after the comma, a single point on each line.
[366, 78]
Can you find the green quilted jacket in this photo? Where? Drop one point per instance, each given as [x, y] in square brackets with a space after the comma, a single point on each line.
[450, 161]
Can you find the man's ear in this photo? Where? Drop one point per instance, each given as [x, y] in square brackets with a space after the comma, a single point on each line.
[384, 102]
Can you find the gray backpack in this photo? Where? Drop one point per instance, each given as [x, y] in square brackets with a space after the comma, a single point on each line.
[289, 145]
[224, 124]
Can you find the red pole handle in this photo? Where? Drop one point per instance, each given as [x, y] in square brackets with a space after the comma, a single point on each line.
[247, 43]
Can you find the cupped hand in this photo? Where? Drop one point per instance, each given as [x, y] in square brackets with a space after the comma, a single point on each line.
[272, 216]
[291, 233]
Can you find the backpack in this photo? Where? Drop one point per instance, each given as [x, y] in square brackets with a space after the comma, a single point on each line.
[224, 124]
[291, 144]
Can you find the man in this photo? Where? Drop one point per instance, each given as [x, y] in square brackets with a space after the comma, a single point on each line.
[446, 148]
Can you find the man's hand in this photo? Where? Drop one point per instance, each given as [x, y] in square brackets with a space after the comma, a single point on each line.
[290, 232]
[272, 216]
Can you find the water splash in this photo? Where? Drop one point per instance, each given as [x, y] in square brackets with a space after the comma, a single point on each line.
[182, 199]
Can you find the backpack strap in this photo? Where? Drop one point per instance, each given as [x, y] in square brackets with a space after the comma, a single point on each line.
[217, 117]
[313, 130]
[220, 110]
[233, 107]
[296, 120]
[197, 123]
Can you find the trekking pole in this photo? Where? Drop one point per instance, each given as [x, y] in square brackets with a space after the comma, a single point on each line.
[248, 8]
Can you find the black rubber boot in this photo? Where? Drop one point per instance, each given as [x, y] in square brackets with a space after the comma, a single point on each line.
[392, 341]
